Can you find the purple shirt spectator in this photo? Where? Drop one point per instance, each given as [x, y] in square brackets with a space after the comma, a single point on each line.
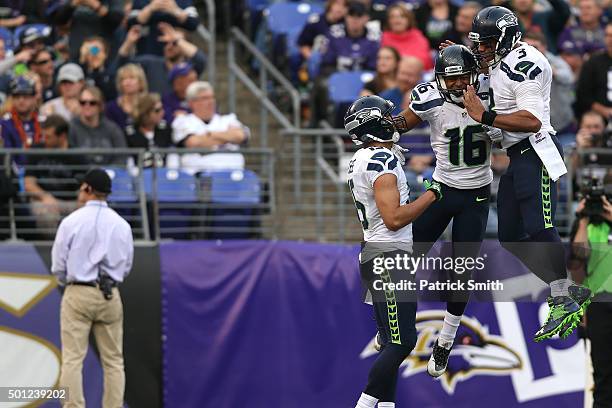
[352, 46]
[588, 33]
[114, 112]
[181, 76]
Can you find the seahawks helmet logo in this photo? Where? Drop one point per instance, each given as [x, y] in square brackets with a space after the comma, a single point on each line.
[508, 20]
[368, 114]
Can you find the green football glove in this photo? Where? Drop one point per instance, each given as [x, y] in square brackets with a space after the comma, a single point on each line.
[435, 187]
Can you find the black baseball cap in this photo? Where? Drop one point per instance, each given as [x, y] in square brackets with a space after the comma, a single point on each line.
[98, 179]
[357, 8]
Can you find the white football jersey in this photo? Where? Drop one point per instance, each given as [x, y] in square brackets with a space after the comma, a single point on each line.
[461, 146]
[514, 80]
[365, 167]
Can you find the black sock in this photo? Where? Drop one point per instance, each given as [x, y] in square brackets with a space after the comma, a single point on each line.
[382, 379]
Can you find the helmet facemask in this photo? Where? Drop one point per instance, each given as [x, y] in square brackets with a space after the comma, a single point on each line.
[454, 94]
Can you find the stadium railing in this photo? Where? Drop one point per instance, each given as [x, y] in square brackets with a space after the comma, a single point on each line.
[173, 202]
[208, 34]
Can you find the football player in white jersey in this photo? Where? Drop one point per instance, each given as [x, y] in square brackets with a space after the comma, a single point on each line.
[520, 80]
[380, 192]
[462, 147]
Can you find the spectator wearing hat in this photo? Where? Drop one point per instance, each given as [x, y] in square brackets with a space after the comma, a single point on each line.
[571, 52]
[33, 38]
[317, 28]
[50, 181]
[20, 127]
[41, 64]
[91, 255]
[99, 70]
[350, 47]
[176, 49]
[8, 62]
[150, 129]
[594, 83]
[91, 129]
[175, 103]
[131, 84]
[205, 128]
[70, 81]
[588, 32]
[149, 14]
[89, 18]
[402, 34]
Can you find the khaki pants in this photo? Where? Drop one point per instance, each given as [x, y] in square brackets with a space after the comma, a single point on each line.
[83, 309]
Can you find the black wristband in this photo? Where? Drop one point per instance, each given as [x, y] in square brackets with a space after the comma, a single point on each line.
[488, 117]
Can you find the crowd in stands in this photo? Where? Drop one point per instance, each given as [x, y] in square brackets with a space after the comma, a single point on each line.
[399, 47]
[105, 74]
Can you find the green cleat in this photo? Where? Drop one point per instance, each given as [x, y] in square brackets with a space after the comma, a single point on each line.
[564, 313]
[582, 296]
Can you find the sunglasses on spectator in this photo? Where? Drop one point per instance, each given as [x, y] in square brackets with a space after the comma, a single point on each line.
[42, 62]
[85, 102]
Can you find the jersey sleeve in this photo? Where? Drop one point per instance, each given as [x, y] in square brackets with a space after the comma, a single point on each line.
[528, 71]
[381, 162]
[425, 100]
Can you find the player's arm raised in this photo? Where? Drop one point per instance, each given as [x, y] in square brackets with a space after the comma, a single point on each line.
[387, 197]
[520, 121]
[406, 120]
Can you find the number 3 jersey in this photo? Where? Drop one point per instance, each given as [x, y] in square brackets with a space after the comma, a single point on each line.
[461, 145]
[521, 81]
[366, 166]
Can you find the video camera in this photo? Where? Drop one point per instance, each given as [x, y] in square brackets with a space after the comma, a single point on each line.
[592, 191]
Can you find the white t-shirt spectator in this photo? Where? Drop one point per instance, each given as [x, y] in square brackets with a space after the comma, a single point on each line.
[186, 125]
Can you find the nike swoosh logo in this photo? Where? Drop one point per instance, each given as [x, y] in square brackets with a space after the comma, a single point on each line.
[523, 151]
[478, 199]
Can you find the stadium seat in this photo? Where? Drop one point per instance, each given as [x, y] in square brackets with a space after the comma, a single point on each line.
[344, 88]
[285, 21]
[177, 196]
[284, 17]
[123, 186]
[233, 196]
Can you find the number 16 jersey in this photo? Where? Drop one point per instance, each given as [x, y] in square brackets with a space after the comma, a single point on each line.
[461, 145]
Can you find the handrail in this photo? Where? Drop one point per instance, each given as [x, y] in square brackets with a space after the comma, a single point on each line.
[208, 34]
[266, 68]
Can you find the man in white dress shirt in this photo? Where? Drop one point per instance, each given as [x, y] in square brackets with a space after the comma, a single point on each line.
[205, 128]
[92, 253]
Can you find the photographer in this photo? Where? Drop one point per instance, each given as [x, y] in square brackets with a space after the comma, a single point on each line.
[92, 253]
[591, 265]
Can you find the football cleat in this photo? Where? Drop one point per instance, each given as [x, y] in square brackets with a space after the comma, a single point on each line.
[581, 295]
[438, 360]
[563, 313]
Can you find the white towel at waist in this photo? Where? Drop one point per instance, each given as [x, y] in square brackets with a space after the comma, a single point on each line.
[546, 149]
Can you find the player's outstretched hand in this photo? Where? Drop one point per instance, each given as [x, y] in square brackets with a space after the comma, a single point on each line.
[434, 187]
[472, 103]
[446, 43]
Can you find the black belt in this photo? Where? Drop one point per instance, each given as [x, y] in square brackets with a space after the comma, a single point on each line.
[92, 284]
